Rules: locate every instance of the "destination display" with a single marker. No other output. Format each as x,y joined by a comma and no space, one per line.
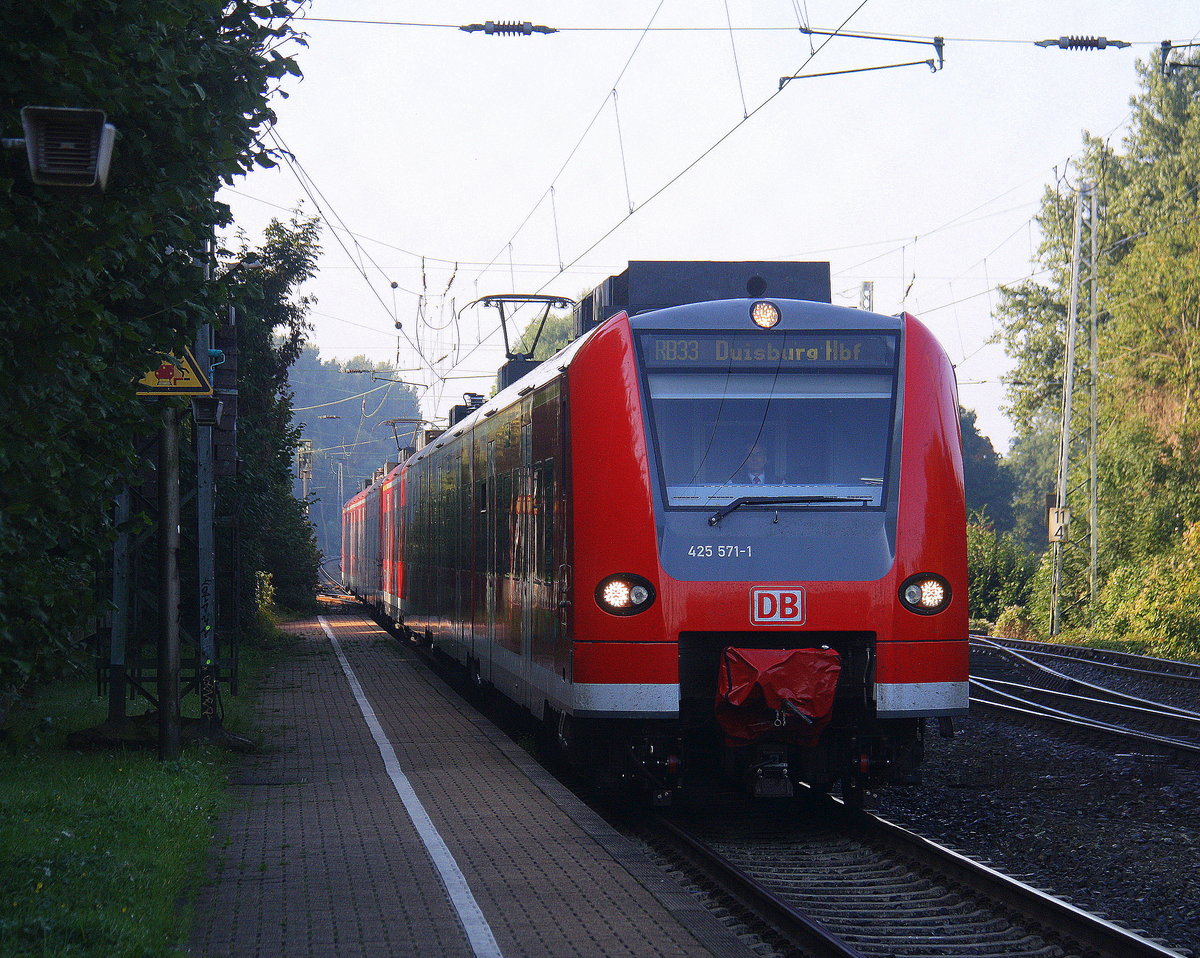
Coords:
789,350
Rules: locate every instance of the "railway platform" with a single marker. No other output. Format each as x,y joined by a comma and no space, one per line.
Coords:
387,817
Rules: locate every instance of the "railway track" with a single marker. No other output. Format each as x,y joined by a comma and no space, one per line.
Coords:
815,879
1186,674
1010,681
835,882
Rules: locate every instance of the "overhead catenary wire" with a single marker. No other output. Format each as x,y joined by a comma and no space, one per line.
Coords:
1034,273
1046,270
1028,225
354,235
328,213
343,399
736,66
680,174
621,146
561,265
578,143
954,222
770,28
313,193
802,22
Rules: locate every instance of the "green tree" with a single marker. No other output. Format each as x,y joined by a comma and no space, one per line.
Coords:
357,421
988,479
1149,335
276,536
1157,601
94,285
1033,465
550,338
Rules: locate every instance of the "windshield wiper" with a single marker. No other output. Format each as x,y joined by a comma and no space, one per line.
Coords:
780,501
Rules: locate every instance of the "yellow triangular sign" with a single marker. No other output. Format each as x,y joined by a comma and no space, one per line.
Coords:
175,376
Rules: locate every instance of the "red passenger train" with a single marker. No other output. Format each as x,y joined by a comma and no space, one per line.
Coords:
724,527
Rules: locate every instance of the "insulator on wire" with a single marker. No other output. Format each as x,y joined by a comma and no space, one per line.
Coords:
1082,43
507,28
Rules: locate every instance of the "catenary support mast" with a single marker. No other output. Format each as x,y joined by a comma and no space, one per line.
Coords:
1074,530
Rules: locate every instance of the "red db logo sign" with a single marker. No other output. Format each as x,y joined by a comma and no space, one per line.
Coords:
777,606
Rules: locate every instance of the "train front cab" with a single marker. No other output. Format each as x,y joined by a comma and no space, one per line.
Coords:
858,416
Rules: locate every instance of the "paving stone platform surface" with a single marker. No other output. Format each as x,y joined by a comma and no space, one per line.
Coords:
319,855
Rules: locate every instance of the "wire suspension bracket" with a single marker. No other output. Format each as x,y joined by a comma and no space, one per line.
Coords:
935,63
1169,67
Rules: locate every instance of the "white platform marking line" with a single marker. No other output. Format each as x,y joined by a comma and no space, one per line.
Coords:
478,931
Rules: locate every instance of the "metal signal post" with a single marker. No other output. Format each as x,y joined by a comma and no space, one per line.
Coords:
1077,440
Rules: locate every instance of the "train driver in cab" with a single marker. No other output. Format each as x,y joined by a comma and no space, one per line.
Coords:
754,471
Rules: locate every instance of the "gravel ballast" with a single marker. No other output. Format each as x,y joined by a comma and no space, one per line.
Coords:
1117,835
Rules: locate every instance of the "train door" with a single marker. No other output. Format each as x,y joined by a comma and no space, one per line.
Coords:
525,555
462,568
484,643
549,583
560,571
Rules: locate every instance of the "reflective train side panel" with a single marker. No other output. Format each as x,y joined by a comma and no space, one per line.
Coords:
590,541
353,517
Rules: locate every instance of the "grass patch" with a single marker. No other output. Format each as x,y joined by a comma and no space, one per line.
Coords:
96,849
99,851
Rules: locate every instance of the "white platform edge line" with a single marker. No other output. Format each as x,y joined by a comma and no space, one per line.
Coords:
476,926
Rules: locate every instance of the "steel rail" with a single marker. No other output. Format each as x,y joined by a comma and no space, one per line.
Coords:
1018,689
1176,748
802,930
1170,676
1147,665
1069,926
1099,691
1053,914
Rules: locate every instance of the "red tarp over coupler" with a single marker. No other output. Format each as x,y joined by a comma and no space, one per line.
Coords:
776,695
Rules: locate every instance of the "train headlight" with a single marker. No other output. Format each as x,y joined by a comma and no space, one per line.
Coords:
925,594
765,315
624,594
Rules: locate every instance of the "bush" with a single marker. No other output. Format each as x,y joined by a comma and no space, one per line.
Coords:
1157,598
1012,623
264,592
999,570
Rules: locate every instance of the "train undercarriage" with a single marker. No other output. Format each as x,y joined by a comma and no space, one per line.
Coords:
658,759
655,759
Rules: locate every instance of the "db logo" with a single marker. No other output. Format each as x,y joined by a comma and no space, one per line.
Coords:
777,606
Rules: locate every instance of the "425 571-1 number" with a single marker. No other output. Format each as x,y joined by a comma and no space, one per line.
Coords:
720,552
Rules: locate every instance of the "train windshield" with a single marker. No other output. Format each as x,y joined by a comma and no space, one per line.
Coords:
806,417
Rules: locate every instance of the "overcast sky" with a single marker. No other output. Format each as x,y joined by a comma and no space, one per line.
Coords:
455,165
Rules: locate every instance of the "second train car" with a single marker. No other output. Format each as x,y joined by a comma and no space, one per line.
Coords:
724,527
